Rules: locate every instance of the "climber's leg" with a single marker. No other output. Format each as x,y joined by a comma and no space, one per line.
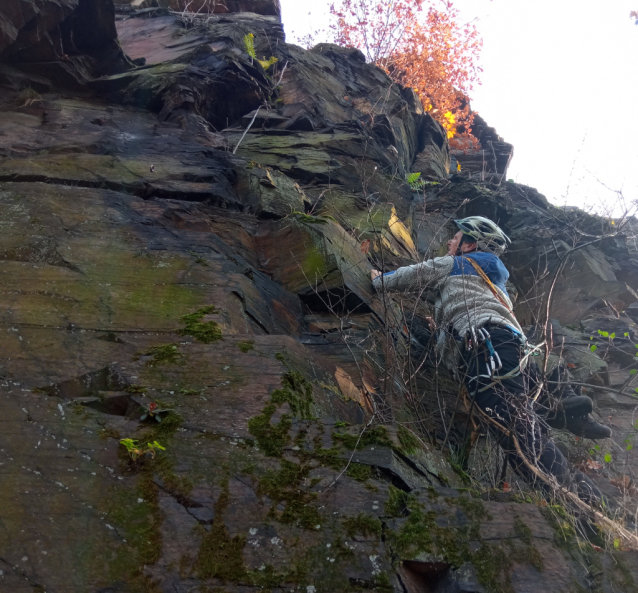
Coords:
541,453
508,406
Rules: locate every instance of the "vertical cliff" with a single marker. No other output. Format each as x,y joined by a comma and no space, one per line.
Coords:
185,247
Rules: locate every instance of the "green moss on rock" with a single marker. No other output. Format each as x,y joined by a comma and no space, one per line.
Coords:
562,524
220,555
206,332
377,435
359,472
409,443
362,524
397,503
271,438
286,487
136,515
137,389
295,391
161,355
329,457
422,534
246,346
524,533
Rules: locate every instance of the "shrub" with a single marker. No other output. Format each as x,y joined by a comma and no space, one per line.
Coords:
421,44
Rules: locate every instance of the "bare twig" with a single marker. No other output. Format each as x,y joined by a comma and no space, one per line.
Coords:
250,125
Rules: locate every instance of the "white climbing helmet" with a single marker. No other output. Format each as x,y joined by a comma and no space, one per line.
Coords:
488,235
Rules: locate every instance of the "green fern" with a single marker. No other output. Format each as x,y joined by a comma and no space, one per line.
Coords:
415,182
249,44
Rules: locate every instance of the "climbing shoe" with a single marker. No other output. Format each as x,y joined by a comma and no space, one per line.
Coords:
582,426
559,400
576,405
569,398
588,428
571,407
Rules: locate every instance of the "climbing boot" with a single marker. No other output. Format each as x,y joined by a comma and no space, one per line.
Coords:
587,427
572,407
576,405
559,387
561,400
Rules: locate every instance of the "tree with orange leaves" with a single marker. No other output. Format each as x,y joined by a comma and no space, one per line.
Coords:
420,44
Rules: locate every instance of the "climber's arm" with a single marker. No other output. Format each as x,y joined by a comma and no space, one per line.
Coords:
418,275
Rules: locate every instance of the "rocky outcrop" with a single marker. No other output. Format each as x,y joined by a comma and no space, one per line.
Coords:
187,236
490,160
69,41
25,25
265,7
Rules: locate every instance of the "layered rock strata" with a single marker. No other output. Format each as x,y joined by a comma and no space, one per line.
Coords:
187,237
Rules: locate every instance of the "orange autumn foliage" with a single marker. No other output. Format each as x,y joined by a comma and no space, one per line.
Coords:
420,44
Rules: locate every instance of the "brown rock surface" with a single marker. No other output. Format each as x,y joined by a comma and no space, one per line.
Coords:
148,271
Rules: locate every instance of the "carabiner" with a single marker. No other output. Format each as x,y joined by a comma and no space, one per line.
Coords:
498,358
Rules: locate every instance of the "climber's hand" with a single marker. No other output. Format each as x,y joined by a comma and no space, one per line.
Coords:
431,323
375,274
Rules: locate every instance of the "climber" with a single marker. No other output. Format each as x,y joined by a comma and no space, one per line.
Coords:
481,341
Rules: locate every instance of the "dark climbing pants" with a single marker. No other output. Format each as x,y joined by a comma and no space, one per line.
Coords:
508,403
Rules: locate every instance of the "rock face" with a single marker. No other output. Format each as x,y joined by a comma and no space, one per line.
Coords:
187,237
75,37
265,7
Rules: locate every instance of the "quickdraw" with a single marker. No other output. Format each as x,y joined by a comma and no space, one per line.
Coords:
478,337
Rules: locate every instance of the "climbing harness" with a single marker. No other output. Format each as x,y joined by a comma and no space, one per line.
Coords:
515,372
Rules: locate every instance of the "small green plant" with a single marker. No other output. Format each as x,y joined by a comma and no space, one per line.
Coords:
153,412
249,46
135,451
415,182
266,64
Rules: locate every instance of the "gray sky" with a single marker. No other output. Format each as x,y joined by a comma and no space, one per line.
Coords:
559,83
